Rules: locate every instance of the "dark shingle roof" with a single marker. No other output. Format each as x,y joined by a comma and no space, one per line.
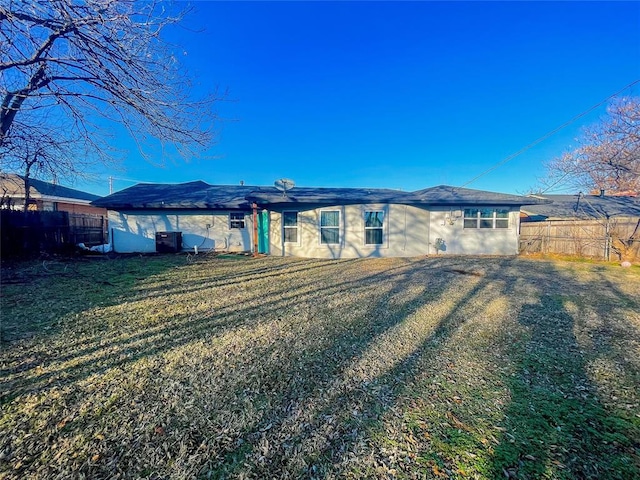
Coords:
15,186
584,206
199,194
447,195
182,195
330,196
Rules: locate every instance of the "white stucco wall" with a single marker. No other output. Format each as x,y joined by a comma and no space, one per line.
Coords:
472,241
409,231
135,231
405,233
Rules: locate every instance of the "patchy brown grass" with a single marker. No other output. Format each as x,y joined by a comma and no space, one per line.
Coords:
447,367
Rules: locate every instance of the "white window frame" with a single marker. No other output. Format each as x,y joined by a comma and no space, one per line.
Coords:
382,228
497,223
234,220
339,226
285,228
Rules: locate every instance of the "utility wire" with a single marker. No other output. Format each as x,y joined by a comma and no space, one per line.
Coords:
549,134
558,181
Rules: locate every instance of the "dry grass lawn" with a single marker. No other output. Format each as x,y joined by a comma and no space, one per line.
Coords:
441,367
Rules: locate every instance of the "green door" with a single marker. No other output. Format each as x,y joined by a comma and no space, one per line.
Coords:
263,232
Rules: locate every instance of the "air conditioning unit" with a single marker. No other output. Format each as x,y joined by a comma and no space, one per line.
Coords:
168,242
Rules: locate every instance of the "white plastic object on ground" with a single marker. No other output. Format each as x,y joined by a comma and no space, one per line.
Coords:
106,248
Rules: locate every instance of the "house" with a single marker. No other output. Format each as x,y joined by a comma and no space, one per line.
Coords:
599,226
45,196
582,207
316,222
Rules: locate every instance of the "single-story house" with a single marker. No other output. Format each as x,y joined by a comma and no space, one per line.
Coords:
45,196
316,222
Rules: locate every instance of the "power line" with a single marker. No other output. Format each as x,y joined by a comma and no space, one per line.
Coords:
549,134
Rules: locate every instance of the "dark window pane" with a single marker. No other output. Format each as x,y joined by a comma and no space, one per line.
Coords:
236,220
486,213
470,212
291,235
373,219
470,223
329,235
290,219
502,223
502,213
330,219
486,223
373,236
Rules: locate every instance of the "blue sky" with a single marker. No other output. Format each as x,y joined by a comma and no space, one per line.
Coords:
396,94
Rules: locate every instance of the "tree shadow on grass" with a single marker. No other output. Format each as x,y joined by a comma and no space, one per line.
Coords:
103,351
287,403
122,281
54,285
556,425
336,410
314,364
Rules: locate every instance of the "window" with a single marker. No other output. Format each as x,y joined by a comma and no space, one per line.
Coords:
502,218
290,227
486,218
236,220
373,226
330,227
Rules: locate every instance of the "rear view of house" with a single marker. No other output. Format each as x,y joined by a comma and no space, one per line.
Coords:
316,222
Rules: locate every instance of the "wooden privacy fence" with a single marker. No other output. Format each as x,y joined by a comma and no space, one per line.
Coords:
607,239
29,233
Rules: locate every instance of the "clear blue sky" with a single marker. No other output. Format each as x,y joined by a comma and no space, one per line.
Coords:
397,94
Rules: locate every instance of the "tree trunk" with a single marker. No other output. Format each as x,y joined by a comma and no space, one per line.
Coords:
27,186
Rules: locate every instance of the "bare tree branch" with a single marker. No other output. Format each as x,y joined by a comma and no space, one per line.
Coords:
95,59
608,155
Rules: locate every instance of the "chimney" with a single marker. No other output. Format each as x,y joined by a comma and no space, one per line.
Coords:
602,193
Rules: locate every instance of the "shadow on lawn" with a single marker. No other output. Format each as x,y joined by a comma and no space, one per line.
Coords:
394,382
556,425
315,366
310,381
105,350
339,412
51,283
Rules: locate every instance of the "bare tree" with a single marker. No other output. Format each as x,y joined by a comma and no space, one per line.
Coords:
608,155
90,61
49,155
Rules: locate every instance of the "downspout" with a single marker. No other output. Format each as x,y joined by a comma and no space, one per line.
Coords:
255,229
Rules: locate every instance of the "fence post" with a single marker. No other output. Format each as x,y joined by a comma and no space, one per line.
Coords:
545,245
607,242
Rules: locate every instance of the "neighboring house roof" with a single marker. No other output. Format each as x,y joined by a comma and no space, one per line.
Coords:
196,195
584,206
13,185
447,195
